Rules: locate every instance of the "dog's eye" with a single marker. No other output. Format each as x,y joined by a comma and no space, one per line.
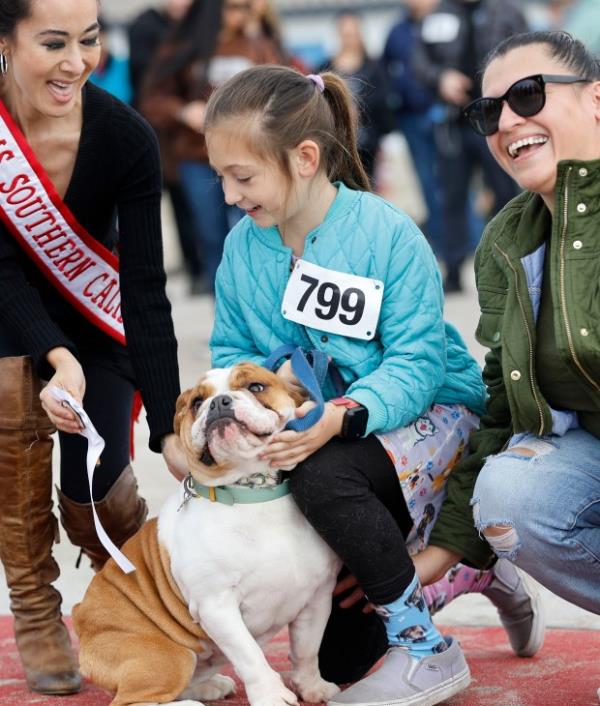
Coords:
196,403
256,387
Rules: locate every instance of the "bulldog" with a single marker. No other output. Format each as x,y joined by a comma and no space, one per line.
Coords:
228,562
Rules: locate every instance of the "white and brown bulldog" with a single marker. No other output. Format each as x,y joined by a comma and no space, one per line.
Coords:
220,571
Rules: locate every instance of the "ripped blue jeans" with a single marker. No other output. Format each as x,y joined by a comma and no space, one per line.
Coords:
550,505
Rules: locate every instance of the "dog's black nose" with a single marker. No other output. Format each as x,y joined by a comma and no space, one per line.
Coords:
220,406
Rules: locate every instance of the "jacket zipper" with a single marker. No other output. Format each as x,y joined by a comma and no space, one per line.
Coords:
563,299
529,338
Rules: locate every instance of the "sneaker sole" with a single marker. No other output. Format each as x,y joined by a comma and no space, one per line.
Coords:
433,696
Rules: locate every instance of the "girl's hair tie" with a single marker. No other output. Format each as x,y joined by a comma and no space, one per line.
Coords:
317,80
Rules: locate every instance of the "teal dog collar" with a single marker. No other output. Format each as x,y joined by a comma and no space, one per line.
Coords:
234,494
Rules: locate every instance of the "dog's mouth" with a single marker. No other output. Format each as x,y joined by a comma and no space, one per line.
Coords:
218,427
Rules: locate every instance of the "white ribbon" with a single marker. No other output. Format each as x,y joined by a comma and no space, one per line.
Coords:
95,448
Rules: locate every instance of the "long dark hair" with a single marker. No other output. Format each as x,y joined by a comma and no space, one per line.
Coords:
289,108
11,13
562,46
194,38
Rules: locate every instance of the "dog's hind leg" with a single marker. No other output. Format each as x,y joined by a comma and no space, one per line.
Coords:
211,688
143,669
306,633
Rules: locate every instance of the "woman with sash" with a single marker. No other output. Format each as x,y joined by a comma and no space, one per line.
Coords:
79,184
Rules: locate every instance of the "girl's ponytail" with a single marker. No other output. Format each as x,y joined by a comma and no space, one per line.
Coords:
346,165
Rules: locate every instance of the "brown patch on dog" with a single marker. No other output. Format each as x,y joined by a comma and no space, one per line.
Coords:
276,389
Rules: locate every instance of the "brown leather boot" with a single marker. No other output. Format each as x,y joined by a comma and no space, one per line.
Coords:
122,512
27,531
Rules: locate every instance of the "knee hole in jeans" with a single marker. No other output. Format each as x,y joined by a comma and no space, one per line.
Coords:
501,538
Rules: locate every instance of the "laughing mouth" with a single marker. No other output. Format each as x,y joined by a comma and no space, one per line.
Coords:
515,147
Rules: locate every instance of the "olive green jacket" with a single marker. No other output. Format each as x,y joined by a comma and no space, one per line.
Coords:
508,290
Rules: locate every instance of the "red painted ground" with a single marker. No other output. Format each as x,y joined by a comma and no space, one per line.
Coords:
566,672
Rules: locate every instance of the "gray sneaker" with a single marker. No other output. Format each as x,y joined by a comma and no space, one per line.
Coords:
403,680
519,606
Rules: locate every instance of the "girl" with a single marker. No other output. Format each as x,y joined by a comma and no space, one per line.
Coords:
319,262
73,159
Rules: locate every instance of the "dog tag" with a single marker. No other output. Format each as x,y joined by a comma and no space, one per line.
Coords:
337,302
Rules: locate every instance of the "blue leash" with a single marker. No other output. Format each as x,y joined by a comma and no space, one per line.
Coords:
311,377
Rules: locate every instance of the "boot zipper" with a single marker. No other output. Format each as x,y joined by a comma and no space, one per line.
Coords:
563,299
529,338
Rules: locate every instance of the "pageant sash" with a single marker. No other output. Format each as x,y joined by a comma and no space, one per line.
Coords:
78,266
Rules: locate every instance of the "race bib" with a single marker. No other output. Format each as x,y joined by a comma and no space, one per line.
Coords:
337,302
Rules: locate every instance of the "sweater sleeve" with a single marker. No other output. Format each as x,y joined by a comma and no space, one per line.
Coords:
145,307
22,311
412,335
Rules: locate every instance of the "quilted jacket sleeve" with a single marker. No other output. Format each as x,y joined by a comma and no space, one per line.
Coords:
412,333
231,341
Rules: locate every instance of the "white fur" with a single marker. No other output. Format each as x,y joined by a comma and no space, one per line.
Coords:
247,571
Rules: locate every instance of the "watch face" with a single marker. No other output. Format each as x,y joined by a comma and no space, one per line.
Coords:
355,422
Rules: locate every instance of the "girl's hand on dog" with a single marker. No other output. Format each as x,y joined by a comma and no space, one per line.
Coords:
289,448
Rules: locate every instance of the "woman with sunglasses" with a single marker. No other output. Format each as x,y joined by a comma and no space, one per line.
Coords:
536,498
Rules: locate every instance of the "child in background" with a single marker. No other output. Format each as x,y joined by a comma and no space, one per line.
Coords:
321,263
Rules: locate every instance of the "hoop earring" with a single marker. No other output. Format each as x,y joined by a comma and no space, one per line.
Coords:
3,64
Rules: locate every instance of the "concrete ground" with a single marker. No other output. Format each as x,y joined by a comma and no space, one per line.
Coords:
193,322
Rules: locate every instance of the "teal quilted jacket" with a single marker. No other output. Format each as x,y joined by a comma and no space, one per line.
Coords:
415,358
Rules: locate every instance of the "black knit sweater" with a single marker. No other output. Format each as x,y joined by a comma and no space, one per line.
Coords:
115,194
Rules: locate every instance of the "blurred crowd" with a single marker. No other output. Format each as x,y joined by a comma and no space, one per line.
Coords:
178,51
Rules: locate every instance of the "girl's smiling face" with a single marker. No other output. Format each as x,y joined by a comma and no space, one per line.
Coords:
51,54
257,185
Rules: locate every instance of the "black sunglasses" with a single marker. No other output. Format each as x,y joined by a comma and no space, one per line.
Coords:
525,97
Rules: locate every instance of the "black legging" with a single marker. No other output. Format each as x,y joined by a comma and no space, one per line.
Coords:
350,493
108,401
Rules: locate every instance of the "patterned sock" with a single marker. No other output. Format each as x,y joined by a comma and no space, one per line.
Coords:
458,580
408,623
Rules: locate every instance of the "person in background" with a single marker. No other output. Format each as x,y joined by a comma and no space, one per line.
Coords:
72,314
367,80
415,110
453,41
208,46
146,33
112,72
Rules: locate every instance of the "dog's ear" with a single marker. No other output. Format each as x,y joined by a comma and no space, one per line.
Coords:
181,408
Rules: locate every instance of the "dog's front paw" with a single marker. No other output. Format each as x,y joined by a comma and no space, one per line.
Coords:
276,694
316,690
213,689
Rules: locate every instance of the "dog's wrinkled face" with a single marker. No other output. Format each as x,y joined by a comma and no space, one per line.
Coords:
228,418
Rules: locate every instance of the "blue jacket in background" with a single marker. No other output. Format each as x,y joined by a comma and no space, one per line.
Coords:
410,94
414,360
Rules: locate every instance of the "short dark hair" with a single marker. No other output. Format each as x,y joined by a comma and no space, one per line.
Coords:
570,52
11,13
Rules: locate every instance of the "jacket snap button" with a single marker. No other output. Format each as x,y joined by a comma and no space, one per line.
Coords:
583,172
584,332
324,339
581,207
496,336
578,245
515,375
